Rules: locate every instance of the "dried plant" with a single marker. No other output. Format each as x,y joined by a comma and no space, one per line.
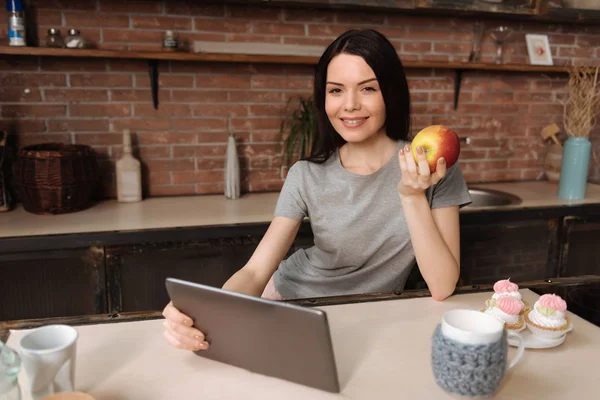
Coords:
298,132
582,103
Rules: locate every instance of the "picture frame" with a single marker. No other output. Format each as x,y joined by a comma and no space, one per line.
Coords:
538,49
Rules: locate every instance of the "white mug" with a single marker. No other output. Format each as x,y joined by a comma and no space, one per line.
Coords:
48,358
474,327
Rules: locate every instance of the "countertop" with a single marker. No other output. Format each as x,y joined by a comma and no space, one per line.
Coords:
216,210
382,350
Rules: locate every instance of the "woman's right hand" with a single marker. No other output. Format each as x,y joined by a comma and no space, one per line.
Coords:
179,331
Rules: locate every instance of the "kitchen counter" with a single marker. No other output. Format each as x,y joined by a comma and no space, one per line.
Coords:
216,210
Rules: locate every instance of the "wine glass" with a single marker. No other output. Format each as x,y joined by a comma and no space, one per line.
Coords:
500,35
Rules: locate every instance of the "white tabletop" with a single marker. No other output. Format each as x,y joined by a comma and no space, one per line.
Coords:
382,348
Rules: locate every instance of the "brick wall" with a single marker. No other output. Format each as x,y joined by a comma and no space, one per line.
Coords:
182,145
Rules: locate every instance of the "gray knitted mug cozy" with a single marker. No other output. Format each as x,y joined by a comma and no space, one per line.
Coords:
468,370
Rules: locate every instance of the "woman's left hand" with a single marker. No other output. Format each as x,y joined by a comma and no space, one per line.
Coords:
416,176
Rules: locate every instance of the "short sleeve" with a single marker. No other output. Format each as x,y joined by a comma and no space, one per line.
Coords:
291,202
452,190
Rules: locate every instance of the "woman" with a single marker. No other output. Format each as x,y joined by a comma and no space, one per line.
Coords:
373,210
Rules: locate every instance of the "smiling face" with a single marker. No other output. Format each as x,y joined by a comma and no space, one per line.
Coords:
353,100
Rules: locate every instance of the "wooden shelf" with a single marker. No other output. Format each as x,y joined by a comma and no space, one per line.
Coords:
254,58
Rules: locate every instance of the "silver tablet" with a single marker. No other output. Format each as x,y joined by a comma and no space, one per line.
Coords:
269,337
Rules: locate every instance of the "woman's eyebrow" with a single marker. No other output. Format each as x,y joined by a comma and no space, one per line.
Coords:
359,83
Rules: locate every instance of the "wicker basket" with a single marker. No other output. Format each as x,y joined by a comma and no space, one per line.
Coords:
54,178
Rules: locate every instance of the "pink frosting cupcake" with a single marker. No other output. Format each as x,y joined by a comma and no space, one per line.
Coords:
506,288
548,318
507,309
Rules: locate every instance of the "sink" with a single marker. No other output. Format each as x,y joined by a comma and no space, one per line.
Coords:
491,198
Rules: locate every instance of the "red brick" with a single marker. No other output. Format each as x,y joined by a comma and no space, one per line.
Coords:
93,139
501,175
549,109
101,80
164,110
197,177
78,125
169,190
307,41
132,95
258,137
523,164
253,12
125,65
166,138
166,81
270,28
268,186
199,124
452,48
221,110
23,125
284,82
154,22
14,94
28,80
159,178
112,46
267,110
206,163
75,95
27,139
429,84
506,84
220,25
198,96
255,123
75,64
192,7
96,19
99,110
426,34
436,57
49,17
211,188
18,63
170,165
191,37
33,110
150,152
229,82
131,36
297,15
245,38
265,150
530,97
131,6
416,47
264,175
143,124
66,4
587,52
212,137
331,31
199,151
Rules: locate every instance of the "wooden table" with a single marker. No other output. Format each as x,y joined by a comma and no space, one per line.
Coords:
382,348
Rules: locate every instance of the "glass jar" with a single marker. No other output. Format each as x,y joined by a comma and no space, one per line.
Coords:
10,365
74,39
170,41
54,38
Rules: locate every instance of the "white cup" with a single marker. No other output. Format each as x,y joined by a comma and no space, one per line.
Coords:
474,327
48,358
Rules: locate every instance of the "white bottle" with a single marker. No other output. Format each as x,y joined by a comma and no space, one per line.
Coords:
129,174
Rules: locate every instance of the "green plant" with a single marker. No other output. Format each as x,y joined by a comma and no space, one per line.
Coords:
298,132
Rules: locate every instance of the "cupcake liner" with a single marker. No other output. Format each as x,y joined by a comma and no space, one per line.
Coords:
548,332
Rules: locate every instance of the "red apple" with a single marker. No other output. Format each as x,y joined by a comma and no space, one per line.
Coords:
437,141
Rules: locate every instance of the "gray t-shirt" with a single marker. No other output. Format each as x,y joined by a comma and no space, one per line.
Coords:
361,239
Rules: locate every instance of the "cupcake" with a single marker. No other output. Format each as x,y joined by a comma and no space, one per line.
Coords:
507,309
548,318
506,288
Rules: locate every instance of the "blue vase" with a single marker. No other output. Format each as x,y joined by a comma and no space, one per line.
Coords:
574,169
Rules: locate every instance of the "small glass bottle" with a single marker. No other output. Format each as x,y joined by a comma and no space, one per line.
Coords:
10,365
170,41
54,38
74,39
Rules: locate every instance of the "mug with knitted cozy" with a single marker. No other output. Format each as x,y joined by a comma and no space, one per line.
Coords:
469,353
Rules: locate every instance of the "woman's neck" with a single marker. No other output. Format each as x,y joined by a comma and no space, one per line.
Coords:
367,157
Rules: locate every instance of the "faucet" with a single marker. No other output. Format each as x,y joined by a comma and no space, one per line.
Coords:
467,140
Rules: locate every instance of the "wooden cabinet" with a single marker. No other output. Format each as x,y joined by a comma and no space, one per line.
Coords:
580,253
517,249
52,283
136,274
